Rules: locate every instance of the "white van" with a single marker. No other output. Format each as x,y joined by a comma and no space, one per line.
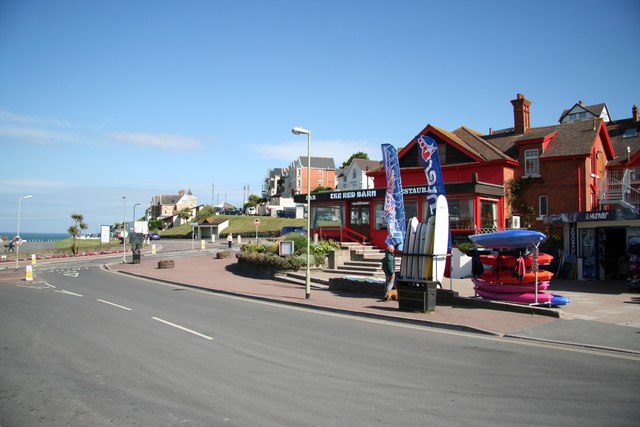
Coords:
251,210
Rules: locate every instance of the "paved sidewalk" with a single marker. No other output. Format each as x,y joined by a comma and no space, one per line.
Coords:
601,314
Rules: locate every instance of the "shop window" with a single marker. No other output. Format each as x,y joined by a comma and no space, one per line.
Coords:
410,209
328,216
461,214
488,214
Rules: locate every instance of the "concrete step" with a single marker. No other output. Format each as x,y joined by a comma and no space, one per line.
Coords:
350,272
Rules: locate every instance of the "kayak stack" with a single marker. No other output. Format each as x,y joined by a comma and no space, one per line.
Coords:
510,272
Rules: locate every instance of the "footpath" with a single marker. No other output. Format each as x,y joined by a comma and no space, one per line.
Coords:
601,314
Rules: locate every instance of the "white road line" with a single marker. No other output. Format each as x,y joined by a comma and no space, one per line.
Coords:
115,305
68,293
183,328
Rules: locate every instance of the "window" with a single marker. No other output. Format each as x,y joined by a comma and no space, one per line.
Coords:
379,216
630,133
461,213
488,214
531,163
543,206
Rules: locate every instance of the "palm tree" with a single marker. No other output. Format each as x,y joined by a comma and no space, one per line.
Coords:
75,230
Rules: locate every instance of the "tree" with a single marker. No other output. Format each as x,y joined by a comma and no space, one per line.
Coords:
253,201
205,212
75,230
358,155
155,224
321,188
185,213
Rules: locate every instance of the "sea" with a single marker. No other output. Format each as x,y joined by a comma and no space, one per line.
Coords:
36,237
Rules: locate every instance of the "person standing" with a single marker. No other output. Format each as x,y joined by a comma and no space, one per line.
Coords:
389,268
230,240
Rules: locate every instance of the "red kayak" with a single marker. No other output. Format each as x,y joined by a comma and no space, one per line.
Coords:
509,261
506,277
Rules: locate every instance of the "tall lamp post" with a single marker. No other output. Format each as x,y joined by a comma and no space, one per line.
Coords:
18,230
302,131
124,222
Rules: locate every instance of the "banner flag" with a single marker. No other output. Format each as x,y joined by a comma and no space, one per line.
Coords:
431,163
393,201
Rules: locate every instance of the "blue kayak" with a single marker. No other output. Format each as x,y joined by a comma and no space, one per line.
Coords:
508,239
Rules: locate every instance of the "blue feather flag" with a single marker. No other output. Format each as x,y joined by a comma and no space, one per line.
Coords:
393,201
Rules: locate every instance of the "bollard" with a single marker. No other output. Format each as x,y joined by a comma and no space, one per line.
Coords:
33,259
153,248
203,244
239,239
29,276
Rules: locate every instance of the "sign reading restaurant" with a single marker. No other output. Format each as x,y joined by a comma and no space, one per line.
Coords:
357,194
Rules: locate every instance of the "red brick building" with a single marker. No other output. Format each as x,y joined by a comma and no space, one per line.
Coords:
516,177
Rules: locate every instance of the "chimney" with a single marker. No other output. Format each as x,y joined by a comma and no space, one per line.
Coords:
521,120
635,115
181,193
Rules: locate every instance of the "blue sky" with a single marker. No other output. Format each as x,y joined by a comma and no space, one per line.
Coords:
105,99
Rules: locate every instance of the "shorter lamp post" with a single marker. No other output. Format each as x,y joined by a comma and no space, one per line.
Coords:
124,229
18,231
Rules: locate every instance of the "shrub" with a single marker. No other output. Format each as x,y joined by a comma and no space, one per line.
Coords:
253,247
271,262
324,247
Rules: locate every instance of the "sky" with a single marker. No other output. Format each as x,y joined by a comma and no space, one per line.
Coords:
101,100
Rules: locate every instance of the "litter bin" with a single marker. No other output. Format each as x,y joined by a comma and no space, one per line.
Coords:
137,246
417,296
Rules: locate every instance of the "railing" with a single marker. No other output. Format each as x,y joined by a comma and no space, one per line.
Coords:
616,188
341,233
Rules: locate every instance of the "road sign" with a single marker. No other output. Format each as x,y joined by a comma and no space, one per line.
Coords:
256,222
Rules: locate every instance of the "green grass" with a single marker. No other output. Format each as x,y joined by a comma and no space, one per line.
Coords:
86,244
244,225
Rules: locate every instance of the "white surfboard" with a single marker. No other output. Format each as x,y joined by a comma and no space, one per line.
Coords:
428,249
441,238
422,235
415,259
405,267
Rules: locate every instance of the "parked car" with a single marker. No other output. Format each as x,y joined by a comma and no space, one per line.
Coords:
154,236
251,210
232,212
293,229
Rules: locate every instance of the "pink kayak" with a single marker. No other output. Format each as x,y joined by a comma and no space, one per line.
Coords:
525,297
509,288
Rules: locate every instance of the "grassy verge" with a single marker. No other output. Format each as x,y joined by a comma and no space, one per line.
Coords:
244,225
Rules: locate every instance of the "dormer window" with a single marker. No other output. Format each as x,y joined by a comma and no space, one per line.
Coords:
532,162
630,133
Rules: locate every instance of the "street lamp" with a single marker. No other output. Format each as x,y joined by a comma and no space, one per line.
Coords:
18,230
302,131
124,222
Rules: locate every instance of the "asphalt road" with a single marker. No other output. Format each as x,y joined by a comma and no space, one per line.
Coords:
96,348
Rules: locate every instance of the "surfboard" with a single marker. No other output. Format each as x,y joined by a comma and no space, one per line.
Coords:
415,260
427,261
405,268
422,250
440,239
508,239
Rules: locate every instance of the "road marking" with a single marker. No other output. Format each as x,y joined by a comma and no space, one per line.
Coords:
71,274
68,293
183,328
115,305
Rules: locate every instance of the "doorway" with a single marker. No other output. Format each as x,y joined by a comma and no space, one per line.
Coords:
611,247
360,218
